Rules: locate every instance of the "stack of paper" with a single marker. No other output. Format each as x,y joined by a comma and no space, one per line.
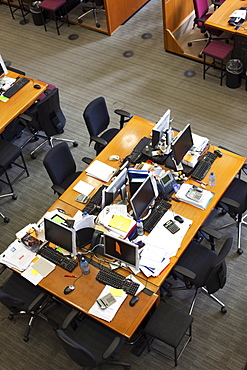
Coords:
100,171
83,188
202,203
39,268
17,256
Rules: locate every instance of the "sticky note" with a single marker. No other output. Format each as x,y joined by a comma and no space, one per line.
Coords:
116,292
34,272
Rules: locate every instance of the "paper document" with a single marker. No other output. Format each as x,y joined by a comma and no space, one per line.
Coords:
202,203
108,313
17,256
39,268
100,171
83,188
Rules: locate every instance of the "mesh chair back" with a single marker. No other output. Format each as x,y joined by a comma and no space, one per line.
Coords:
96,116
59,163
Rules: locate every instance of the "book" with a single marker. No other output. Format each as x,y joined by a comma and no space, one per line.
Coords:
120,222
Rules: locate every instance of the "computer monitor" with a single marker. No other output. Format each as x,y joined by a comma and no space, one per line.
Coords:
118,186
3,69
181,144
121,250
144,196
58,233
160,128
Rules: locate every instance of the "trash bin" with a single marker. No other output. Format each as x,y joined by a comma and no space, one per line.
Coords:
36,13
234,70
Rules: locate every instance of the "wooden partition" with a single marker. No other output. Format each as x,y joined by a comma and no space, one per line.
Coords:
175,14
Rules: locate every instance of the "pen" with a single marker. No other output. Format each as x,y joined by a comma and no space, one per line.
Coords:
201,182
70,276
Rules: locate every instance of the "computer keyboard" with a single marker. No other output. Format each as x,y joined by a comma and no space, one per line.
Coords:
160,208
204,166
51,255
112,278
136,153
93,207
16,87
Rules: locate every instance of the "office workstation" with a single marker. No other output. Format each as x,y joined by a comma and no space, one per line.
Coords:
205,314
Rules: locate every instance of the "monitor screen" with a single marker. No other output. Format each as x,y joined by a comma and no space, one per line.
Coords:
144,196
118,186
182,144
159,129
57,233
122,250
3,69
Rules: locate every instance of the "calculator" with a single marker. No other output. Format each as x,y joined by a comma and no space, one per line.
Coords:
171,226
106,301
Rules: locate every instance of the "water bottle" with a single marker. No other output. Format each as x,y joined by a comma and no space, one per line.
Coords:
140,230
212,179
85,269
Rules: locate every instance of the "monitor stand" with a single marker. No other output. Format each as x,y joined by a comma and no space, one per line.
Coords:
170,163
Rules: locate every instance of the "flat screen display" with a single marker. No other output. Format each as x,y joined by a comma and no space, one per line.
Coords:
59,234
121,250
159,129
3,69
182,143
117,187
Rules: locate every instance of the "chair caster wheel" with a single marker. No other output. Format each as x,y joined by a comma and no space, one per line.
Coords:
97,25
169,294
189,44
75,144
14,196
79,21
199,55
223,310
240,251
25,339
10,317
6,220
33,156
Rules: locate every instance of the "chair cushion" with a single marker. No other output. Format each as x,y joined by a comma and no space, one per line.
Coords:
168,324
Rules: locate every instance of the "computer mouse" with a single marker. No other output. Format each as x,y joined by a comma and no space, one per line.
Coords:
179,219
133,300
68,289
37,86
114,157
218,153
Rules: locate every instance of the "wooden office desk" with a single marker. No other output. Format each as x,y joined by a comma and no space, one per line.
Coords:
19,102
219,19
225,169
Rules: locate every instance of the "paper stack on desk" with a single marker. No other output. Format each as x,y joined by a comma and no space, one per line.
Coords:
206,196
17,256
161,245
100,171
39,268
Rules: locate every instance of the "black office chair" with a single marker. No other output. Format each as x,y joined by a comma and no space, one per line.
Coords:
14,196
234,202
61,167
201,15
23,298
9,155
90,343
94,6
45,116
97,120
13,131
169,325
204,269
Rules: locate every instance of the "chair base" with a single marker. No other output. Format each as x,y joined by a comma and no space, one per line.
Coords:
93,9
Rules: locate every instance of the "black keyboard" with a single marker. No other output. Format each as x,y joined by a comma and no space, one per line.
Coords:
51,255
112,278
203,166
16,87
94,205
160,208
136,153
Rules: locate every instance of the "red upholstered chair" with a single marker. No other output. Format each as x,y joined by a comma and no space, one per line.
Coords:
201,15
52,7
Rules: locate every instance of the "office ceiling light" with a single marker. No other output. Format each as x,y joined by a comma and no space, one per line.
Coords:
189,73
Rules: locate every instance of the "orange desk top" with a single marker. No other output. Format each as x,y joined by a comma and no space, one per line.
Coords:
19,102
219,19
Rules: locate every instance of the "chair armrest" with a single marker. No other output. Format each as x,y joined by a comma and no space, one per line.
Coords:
58,189
229,202
244,168
69,318
211,232
184,271
36,302
87,160
25,117
217,3
203,20
112,347
2,268
124,116
98,140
